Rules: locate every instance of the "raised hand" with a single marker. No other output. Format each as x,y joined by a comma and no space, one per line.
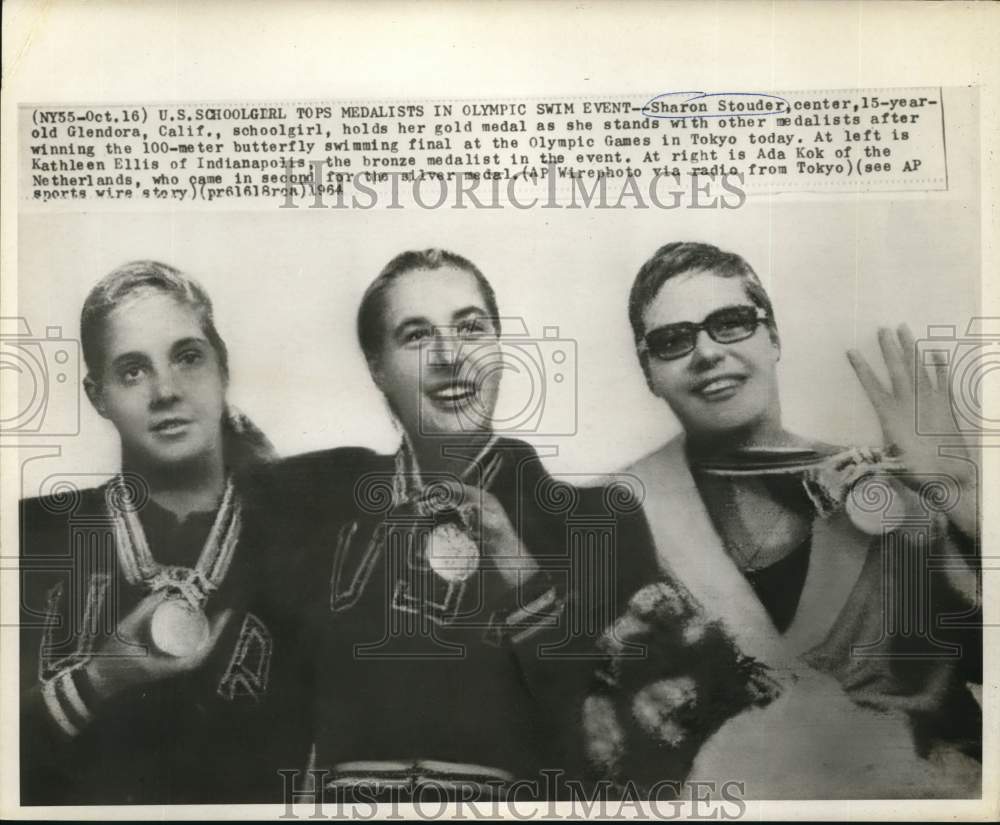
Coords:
912,390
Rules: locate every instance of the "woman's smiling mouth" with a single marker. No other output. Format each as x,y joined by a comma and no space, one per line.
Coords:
720,387
453,393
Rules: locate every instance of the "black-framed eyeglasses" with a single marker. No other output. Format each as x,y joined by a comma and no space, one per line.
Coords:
724,326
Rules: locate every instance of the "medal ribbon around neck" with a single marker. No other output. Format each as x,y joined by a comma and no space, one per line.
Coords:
827,479
139,566
408,483
451,552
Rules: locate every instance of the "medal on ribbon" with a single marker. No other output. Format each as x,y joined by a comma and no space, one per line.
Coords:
449,548
857,480
178,626
451,552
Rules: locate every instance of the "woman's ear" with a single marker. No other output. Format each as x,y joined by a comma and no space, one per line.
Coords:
775,340
644,363
96,396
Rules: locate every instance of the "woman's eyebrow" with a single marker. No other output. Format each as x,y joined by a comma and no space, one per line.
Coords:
130,357
186,342
469,310
420,320
410,322
709,315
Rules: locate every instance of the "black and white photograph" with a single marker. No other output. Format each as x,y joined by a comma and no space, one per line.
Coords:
554,442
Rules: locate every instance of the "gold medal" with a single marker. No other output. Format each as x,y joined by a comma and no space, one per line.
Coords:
451,552
177,628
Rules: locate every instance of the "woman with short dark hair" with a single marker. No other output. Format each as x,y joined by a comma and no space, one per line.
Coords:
806,551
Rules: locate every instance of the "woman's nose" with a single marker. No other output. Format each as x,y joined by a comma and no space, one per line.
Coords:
706,350
164,386
443,350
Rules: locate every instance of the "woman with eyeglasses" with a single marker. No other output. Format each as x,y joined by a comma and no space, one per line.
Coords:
781,538
148,674
457,599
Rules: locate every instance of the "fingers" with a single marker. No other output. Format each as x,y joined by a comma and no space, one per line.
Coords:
478,510
918,371
939,359
218,626
900,373
906,377
877,394
449,494
441,494
136,621
471,518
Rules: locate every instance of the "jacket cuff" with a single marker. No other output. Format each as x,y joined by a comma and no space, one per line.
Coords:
531,607
70,699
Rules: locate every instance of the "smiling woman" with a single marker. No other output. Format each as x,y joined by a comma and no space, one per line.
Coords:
429,328
140,651
813,556
461,596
